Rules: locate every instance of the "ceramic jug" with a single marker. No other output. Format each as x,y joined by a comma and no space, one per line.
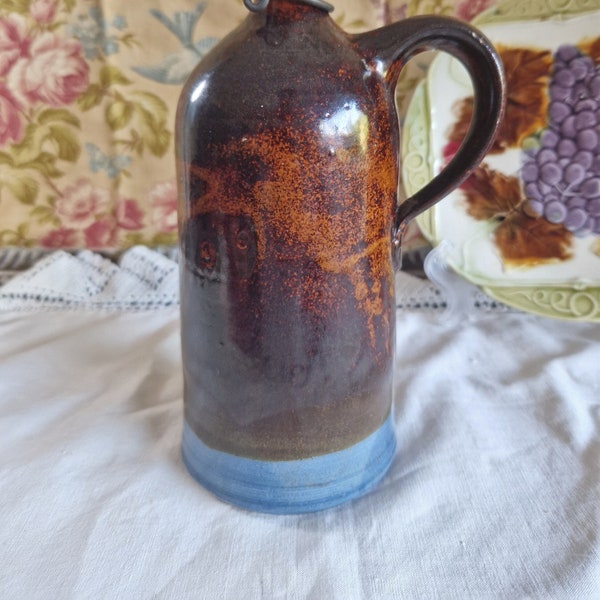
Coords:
287,157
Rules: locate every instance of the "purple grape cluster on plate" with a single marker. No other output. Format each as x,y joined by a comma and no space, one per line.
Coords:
562,175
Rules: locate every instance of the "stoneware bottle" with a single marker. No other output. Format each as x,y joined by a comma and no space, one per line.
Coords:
287,157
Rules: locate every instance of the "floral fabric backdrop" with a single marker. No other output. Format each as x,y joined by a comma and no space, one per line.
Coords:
88,93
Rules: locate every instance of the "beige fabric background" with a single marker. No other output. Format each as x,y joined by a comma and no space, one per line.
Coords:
88,93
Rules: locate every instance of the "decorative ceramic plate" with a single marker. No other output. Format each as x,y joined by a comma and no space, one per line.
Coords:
526,225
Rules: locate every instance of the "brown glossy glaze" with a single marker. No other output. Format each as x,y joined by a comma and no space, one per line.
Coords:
287,163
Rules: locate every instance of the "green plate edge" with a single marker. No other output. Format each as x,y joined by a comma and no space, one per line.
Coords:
559,301
510,11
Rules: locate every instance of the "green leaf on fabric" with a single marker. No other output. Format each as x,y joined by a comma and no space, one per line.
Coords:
23,188
19,237
152,104
17,6
135,239
118,114
44,163
129,40
54,126
52,115
27,144
66,141
111,75
91,97
164,239
6,159
44,215
152,132
158,239
157,140
20,185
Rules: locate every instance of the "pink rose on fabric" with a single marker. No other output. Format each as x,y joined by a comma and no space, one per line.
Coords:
163,202
43,11
11,127
60,238
80,203
129,215
101,234
469,9
14,41
55,72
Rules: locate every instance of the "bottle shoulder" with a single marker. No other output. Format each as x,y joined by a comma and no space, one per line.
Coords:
264,76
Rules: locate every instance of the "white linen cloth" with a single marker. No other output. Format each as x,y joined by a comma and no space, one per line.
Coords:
494,493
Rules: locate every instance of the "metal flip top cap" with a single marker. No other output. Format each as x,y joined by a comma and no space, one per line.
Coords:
258,5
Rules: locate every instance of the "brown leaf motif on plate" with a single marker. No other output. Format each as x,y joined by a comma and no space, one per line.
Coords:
527,76
538,210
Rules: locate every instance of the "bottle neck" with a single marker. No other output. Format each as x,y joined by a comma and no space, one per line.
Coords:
262,5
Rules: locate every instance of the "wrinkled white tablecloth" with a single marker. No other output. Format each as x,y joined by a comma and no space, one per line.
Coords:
494,493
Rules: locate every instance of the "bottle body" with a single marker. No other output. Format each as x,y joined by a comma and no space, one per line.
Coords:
287,172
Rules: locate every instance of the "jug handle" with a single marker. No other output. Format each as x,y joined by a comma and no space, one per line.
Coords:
389,48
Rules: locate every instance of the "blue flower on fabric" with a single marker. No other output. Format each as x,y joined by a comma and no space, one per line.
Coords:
113,166
119,23
92,31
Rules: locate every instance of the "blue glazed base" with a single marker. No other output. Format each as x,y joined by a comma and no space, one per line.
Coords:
291,486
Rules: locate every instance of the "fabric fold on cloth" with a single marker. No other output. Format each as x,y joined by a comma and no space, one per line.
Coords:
143,279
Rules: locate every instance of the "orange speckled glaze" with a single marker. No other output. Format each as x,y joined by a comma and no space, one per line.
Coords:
287,161
301,313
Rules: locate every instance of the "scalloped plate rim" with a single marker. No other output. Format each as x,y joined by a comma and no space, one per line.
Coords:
500,291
